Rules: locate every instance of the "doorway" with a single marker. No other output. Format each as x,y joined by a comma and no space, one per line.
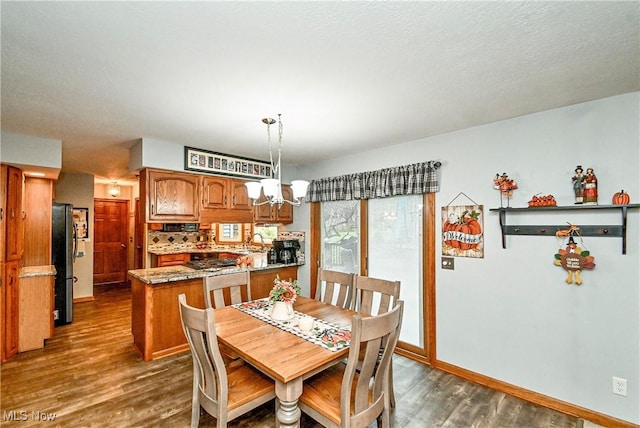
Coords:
110,236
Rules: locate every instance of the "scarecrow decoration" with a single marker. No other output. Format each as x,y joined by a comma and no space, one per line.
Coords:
505,185
573,258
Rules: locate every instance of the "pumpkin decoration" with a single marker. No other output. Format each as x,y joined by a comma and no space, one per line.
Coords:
463,232
620,198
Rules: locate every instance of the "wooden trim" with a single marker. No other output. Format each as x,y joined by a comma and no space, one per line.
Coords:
534,397
429,274
84,299
364,241
315,245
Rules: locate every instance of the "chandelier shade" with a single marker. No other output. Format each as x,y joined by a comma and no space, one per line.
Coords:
272,187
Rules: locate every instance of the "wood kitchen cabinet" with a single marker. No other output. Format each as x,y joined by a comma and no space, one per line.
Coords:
262,279
36,311
271,214
225,200
164,260
11,304
170,196
38,202
13,214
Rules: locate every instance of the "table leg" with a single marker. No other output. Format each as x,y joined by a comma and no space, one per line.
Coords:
288,414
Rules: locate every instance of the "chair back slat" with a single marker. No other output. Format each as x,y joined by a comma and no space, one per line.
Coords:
335,288
220,290
370,290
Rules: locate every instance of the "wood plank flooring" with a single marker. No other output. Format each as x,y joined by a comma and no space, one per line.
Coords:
88,375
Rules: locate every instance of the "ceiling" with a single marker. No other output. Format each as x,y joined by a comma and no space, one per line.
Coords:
346,76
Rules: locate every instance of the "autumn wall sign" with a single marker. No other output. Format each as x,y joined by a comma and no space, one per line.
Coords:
462,232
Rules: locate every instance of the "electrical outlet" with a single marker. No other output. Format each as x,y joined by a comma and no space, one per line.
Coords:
447,263
620,386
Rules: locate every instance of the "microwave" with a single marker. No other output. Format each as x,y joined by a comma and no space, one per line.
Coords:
180,227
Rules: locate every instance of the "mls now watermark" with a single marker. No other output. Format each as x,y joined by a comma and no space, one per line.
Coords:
23,416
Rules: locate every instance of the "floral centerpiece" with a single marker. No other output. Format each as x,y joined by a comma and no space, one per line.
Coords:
284,291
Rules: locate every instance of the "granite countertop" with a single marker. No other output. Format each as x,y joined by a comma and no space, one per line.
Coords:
162,275
33,271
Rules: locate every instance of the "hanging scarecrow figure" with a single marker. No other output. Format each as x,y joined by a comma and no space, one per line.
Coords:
574,259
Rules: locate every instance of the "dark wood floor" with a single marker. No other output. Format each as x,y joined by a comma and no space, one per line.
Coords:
88,375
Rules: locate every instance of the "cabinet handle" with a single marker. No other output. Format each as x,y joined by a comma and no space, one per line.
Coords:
152,209
234,200
225,200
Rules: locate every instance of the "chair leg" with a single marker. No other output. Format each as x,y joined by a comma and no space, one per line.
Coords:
392,395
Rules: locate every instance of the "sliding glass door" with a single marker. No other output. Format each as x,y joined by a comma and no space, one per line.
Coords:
394,252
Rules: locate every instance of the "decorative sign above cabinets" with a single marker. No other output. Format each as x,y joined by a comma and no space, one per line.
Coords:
224,164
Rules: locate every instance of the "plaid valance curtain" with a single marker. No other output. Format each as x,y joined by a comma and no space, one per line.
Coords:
402,180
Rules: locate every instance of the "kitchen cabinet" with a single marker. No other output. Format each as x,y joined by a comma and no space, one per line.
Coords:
164,260
225,200
170,196
13,210
11,302
38,200
271,214
36,311
262,279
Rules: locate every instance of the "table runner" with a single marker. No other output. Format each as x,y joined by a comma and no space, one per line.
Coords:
331,336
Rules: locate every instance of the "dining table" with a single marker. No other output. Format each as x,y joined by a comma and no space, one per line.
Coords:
281,351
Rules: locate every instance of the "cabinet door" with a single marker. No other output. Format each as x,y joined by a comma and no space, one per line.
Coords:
173,196
263,213
13,250
11,320
38,199
239,196
285,213
215,193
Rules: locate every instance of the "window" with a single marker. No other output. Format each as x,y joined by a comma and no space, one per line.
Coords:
341,236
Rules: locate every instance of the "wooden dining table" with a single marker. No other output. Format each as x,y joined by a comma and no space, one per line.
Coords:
283,356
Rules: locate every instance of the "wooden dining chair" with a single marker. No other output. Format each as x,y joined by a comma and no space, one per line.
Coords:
223,392
330,282
355,394
375,296
231,285
368,292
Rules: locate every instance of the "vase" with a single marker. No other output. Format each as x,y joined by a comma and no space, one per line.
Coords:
282,311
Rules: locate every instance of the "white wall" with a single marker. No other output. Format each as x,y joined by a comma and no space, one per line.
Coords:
510,315
77,189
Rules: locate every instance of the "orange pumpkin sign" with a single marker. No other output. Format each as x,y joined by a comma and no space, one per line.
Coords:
462,232
620,198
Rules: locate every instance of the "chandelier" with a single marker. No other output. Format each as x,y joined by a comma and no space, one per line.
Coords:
272,187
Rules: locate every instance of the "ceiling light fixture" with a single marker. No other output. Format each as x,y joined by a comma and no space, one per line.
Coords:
272,187
114,189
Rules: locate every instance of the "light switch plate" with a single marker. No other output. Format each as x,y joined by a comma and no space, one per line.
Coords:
447,263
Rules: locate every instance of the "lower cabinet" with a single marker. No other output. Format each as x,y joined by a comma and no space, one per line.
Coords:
35,312
11,301
262,280
155,315
169,259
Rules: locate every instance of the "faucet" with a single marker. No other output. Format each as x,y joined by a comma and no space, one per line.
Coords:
261,240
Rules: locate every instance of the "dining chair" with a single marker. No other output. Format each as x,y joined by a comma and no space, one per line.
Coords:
231,284
216,287
225,392
355,394
368,292
330,282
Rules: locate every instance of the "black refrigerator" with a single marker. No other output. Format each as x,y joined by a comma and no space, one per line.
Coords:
63,247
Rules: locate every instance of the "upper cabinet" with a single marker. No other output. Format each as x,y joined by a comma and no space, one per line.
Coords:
225,200
13,213
271,214
170,196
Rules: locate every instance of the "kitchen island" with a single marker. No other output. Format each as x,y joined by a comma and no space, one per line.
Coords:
155,318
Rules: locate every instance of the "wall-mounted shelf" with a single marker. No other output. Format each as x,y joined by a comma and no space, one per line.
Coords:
616,231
